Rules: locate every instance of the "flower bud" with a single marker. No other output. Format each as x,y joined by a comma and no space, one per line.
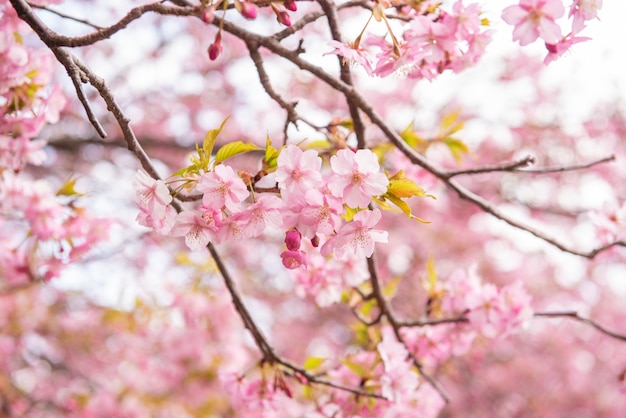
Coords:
208,15
283,18
216,48
292,240
290,5
248,10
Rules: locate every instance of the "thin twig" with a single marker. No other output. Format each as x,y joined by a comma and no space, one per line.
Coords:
574,315
514,166
565,168
398,142
457,320
66,16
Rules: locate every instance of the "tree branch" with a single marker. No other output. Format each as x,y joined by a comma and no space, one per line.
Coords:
575,316
385,309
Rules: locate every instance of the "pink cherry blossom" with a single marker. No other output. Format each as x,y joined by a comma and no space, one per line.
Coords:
359,236
357,177
265,212
533,19
582,11
555,51
352,55
398,381
198,228
222,188
298,170
293,259
320,214
151,195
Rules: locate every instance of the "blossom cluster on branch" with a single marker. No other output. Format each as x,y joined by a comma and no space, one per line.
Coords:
357,269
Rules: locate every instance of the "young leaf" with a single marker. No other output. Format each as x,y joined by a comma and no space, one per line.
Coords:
68,188
451,124
410,137
312,363
209,139
355,368
234,148
456,147
271,154
401,186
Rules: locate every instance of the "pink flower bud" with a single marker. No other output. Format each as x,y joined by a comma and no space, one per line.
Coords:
292,239
208,15
283,18
216,48
293,259
248,10
290,5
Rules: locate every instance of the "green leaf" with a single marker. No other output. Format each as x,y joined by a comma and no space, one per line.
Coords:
400,205
391,288
350,212
432,273
451,123
313,363
367,307
456,147
347,123
355,368
68,188
209,139
401,186
234,148
410,137
319,144
271,154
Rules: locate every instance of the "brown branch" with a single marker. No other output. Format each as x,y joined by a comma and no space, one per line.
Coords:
345,73
69,61
259,338
561,169
350,92
574,315
385,309
51,38
457,320
66,16
514,166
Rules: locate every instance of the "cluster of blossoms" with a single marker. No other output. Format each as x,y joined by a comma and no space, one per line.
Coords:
534,19
432,41
40,232
329,208
435,40
490,311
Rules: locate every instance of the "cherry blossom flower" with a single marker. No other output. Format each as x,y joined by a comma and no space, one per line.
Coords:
359,236
352,55
298,170
222,188
535,19
555,51
263,213
320,214
293,259
198,228
357,177
583,10
151,195
398,382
